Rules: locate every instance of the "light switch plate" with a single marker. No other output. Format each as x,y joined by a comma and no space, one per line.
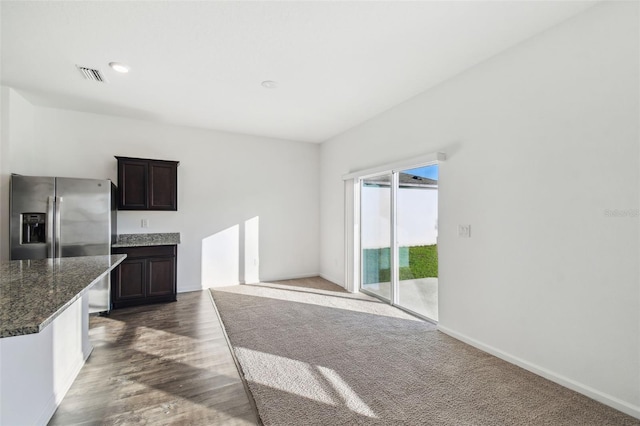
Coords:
464,231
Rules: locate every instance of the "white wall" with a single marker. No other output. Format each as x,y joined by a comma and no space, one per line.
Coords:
224,180
542,144
17,131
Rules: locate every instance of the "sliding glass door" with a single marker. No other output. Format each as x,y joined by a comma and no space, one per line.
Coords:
417,240
375,235
398,239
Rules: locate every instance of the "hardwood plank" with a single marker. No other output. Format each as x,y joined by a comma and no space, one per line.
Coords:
158,364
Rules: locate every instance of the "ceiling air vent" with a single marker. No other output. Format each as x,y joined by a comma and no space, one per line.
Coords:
91,74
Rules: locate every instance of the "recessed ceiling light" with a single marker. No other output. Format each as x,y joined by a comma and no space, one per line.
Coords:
117,66
269,84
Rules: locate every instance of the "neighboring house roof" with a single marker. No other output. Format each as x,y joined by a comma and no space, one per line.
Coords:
407,180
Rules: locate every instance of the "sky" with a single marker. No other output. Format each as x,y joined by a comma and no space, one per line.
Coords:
430,172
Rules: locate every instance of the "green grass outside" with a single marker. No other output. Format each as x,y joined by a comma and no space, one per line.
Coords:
422,263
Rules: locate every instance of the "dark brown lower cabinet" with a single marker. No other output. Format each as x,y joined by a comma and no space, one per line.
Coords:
147,275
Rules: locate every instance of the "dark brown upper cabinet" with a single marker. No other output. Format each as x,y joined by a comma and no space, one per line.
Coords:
145,184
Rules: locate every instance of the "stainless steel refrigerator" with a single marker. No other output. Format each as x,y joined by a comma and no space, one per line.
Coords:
64,217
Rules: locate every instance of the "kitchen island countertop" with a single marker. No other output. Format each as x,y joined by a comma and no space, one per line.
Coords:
34,292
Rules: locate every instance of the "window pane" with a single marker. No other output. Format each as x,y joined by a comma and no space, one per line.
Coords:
417,236
375,227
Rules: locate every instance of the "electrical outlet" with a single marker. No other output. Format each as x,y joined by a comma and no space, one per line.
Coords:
464,231
144,223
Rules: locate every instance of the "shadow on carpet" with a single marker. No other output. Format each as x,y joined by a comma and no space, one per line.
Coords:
317,356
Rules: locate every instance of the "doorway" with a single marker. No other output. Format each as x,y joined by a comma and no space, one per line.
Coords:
375,236
399,239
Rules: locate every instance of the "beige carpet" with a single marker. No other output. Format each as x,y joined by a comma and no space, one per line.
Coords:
313,354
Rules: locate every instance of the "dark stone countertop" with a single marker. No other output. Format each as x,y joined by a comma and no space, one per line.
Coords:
34,292
142,240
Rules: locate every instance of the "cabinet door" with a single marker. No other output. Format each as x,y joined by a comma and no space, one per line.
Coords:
132,182
163,181
162,276
130,280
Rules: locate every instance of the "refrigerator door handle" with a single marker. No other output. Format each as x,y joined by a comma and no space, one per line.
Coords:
58,246
50,238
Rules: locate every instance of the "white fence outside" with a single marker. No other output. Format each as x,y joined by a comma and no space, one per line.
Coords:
417,217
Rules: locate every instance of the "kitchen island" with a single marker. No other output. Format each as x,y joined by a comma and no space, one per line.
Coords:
44,325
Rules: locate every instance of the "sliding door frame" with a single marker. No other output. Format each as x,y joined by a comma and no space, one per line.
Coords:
395,275
353,220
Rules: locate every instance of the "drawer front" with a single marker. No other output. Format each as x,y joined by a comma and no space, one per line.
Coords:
150,251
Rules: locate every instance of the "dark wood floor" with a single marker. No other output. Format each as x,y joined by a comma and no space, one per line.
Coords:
158,364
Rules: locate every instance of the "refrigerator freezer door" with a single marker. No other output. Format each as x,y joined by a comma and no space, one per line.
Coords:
84,207
32,206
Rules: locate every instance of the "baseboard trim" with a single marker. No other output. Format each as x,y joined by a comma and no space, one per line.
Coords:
190,289
266,280
602,397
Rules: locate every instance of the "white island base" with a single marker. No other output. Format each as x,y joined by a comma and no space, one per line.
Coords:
37,370
44,332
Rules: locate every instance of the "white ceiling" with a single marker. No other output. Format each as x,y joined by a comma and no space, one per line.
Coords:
201,63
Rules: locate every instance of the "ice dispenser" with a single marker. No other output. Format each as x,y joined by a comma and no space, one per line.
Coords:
33,228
